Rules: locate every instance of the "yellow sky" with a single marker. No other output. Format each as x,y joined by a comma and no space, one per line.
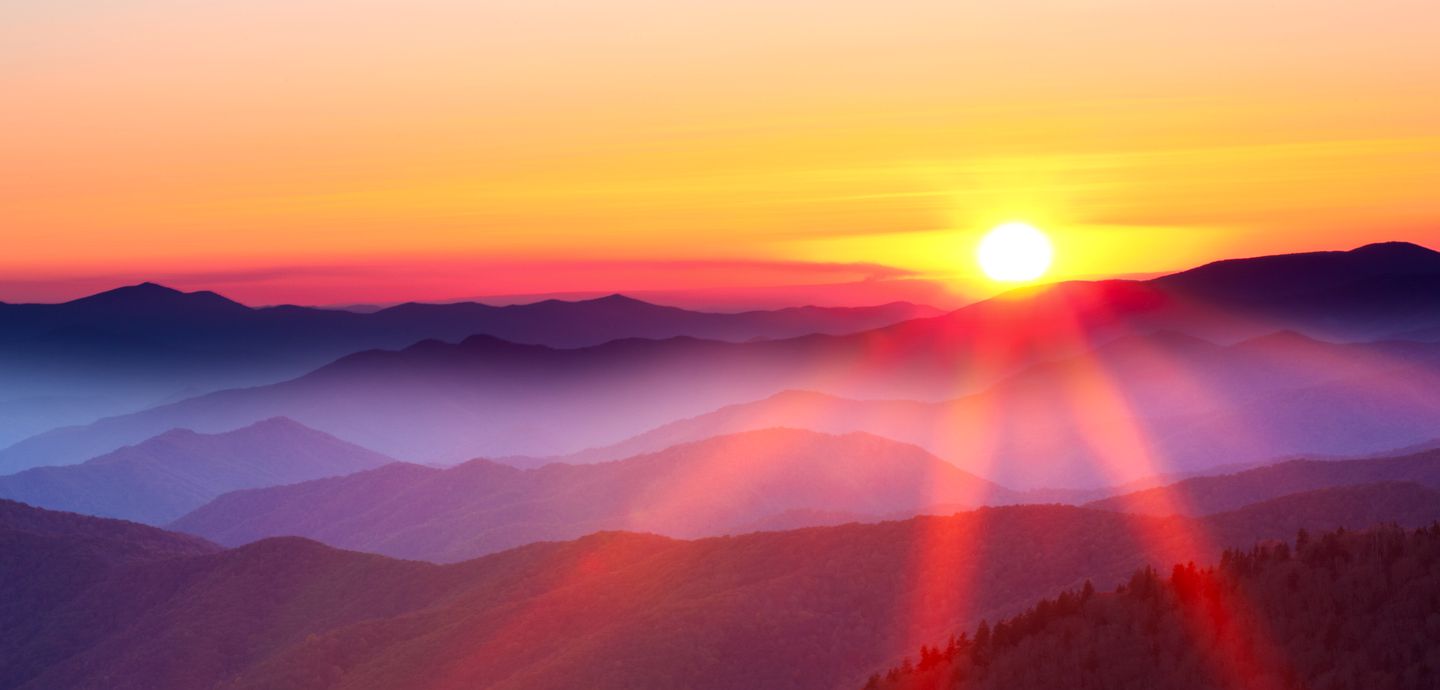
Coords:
178,135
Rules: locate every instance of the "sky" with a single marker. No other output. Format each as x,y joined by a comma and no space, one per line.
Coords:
319,151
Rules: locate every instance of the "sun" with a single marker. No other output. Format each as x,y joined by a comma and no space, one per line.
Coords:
1015,253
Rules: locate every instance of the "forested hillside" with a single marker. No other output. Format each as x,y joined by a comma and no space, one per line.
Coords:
1341,610
108,605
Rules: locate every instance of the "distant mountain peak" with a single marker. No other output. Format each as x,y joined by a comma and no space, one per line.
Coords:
145,290
279,422
261,431
617,300
170,435
1395,247
1305,272
152,295
275,426
1401,257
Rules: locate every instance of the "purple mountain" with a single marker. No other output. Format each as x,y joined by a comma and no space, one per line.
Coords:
164,477
699,489
487,397
820,607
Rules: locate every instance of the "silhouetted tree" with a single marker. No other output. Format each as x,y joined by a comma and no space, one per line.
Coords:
1349,610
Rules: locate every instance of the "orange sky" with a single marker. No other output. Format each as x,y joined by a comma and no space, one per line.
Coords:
327,151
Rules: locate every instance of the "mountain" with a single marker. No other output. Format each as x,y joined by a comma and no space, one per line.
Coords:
23,417
1377,290
162,478
1206,495
51,555
582,323
1180,398
1373,292
1352,506
716,486
811,608
801,518
1138,407
52,558
150,312
103,542
127,348
1340,609
139,344
190,614
442,402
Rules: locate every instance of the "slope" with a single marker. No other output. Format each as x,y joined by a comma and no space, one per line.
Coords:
699,489
169,475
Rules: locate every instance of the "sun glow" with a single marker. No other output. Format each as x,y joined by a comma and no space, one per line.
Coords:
1015,252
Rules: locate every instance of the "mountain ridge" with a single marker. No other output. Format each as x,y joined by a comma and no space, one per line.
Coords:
709,487
812,608
481,406
167,475
1213,494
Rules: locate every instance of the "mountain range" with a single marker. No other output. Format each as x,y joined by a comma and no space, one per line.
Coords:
140,345
811,608
1180,398
1338,609
623,495
446,402
767,480
1214,494
711,487
1176,404
164,477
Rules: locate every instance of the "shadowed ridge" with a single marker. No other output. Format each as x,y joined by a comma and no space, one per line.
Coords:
149,296
137,345
619,299
482,342
290,547
1215,494
1263,277
1354,506
143,290
127,540
817,604
1400,251
1335,608
676,614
